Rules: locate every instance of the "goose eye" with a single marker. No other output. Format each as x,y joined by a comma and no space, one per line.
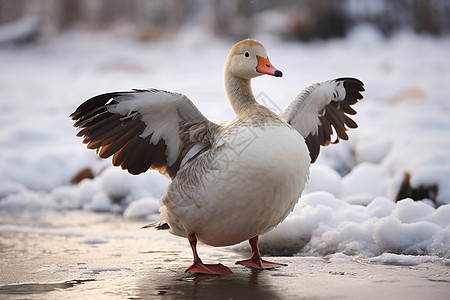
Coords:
247,54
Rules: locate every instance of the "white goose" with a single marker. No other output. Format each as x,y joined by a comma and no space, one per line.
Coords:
231,181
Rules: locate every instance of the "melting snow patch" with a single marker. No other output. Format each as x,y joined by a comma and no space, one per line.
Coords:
324,225
142,208
405,260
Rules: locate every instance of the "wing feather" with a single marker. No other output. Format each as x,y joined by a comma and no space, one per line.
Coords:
143,129
322,109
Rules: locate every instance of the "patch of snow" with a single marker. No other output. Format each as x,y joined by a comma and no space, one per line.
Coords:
115,183
405,260
26,201
323,178
372,150
380,207
142,208
101,202
10,187
365,178
327,225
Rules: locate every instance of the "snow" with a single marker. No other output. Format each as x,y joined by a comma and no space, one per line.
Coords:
143,208
406,260
329,225
356,181
348,206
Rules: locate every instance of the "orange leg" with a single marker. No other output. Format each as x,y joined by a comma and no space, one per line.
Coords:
256,261
199,267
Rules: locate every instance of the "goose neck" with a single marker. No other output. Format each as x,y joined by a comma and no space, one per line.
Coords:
240,95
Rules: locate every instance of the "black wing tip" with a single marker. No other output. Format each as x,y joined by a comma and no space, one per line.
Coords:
351,79
157,226
339,121
164,226
93,103
356,84
353,87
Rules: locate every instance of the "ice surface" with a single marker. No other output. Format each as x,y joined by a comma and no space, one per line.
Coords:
348,206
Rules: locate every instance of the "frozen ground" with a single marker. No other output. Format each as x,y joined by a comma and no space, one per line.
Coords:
74,255
347,217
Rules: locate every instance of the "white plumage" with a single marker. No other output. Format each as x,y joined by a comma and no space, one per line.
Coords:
252,184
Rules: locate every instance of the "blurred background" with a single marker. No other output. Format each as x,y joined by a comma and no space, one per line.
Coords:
303,20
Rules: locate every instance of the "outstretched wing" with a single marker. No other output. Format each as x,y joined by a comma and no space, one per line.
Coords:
321,107
144,129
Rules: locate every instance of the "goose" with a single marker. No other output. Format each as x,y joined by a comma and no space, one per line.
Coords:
231,181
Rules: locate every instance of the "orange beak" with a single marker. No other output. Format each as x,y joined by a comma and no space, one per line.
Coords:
265,67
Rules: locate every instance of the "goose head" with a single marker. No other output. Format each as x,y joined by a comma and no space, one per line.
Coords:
248,59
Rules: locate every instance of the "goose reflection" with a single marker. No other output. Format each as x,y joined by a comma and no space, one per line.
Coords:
253,284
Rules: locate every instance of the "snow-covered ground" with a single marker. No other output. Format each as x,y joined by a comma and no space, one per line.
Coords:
349,204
